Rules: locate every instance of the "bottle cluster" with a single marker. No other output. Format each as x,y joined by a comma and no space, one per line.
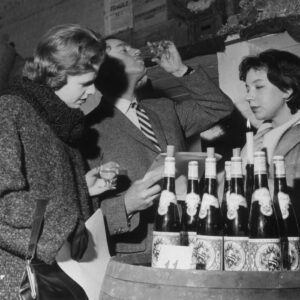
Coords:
251,229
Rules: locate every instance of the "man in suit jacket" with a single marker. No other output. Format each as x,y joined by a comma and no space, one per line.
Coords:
115,134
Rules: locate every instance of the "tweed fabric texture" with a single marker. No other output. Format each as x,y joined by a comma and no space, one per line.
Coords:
38,161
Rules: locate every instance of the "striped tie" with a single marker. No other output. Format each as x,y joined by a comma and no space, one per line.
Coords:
145,125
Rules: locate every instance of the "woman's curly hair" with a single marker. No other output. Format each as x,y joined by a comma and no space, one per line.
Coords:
65,50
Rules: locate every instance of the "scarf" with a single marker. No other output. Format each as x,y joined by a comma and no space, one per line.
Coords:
268,137
67,123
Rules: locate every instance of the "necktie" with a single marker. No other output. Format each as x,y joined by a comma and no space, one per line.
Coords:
145,125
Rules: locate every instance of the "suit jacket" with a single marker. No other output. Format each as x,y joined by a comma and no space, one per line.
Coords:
118,139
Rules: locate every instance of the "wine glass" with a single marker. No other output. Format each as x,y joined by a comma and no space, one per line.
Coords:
157,48
108,172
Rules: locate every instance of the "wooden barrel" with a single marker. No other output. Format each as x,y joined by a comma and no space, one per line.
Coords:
130,278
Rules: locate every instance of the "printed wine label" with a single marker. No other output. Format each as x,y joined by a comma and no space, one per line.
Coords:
192,201
166,198
207,200
208,251
293,254
284,203
233,202
189,239
263,197
163,238
235,253
264,255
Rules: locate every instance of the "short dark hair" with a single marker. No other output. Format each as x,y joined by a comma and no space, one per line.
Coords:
283,71
111,80
64,50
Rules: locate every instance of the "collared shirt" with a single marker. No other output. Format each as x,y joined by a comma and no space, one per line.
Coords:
124,106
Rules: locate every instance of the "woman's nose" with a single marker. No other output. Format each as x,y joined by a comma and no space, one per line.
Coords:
249,96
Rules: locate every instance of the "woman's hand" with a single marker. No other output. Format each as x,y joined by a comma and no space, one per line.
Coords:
96,184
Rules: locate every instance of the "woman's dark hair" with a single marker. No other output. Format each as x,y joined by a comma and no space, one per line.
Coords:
283,71
65,50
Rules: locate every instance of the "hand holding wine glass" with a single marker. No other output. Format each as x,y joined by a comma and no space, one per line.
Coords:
109,172
98,185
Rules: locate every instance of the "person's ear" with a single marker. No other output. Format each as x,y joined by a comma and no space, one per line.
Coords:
107,49
287,94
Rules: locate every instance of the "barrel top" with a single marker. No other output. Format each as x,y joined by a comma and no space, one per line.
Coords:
137,268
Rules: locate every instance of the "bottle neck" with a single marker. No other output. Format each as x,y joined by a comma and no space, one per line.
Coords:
236,185
261,181
193,186
280,185
169,184
210,186
227,184
250,170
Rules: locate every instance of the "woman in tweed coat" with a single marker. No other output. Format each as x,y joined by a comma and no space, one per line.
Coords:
40,125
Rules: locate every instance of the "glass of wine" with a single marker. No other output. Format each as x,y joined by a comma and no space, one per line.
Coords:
157,48
109,172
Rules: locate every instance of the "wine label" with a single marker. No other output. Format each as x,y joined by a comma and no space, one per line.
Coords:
192,201
235,253
284,203
294,252
233,202
263,197
163,238
190,239
208,252
207,200
165,199
264,255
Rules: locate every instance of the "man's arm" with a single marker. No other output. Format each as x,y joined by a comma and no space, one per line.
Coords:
209,104
126,207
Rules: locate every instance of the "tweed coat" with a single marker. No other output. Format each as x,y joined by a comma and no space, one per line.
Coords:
35,165
115,136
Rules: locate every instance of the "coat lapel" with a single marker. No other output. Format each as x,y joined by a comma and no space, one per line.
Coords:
157,128
125,125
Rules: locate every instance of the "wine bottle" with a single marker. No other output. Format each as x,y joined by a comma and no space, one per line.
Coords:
226,190
264,238
190,209
209,243
287,220
249,177
236,221
249,183
166,230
